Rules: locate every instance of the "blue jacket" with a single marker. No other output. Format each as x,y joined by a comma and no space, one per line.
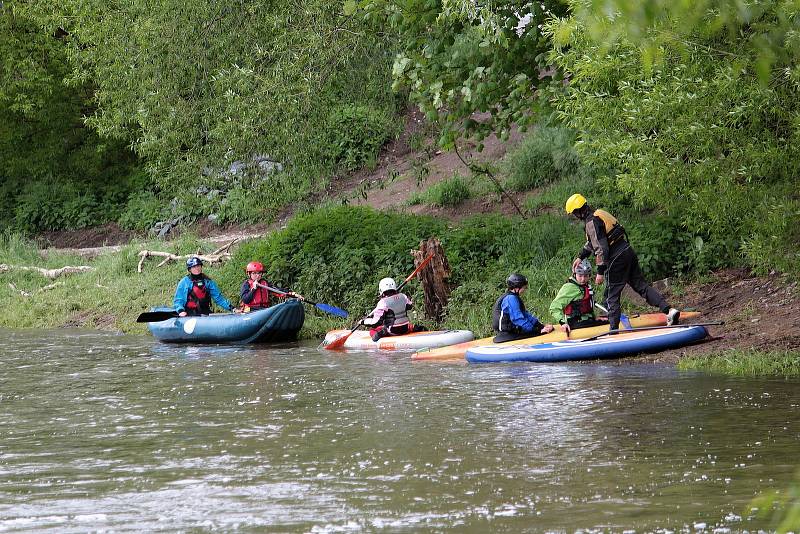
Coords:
185,285
511,309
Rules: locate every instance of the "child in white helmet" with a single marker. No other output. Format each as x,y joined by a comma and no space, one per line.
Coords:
390,316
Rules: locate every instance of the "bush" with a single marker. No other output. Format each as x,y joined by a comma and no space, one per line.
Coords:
545,156
142,210
338,255
449,192
53,205
355,134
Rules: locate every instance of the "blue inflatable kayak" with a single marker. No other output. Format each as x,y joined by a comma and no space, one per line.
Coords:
611,346
277,323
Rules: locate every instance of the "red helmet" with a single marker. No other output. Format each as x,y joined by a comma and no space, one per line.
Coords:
254,267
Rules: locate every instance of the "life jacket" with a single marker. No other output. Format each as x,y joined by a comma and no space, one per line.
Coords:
615,233
260,297
582,306
395,306
198,301
501,322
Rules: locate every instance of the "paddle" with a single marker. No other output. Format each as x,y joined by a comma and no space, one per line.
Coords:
625,331
624,319
339,341
156,316
327,308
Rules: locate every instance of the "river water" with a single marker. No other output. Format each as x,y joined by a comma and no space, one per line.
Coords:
121,433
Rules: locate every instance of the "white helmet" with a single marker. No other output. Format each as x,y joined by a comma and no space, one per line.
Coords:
387,284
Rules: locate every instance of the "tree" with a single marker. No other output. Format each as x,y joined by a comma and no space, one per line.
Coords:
199,85
692,130
472,67
44,145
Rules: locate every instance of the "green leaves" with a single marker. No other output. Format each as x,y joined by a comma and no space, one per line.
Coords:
687,128
459,58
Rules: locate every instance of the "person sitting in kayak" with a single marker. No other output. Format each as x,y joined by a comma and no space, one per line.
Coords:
573,306
510,319
390,316
254,293
195,291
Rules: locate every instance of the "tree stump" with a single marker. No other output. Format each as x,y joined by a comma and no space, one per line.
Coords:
433,278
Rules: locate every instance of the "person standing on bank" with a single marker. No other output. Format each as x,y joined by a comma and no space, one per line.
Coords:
195,291
615,259
510,319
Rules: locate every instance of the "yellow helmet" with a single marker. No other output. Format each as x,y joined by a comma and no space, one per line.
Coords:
575,202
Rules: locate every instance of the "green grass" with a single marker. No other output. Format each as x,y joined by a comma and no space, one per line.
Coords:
746,363
111,296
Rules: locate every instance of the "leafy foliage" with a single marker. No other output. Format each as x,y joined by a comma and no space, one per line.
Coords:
767,29
56,173
218,83
459,58
356,134
545,156
696,136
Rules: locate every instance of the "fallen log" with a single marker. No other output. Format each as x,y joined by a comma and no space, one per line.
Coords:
52,274
218,256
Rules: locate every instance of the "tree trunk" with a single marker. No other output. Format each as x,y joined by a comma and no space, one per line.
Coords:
434,278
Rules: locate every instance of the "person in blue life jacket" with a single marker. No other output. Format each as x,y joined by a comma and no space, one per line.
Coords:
390,316
195,292
574,304
254,293
510,319
616,260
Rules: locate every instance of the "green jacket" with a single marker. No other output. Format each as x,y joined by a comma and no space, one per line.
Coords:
568,292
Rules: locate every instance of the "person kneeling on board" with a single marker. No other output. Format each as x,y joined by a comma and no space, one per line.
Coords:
390,316
573,306
510,319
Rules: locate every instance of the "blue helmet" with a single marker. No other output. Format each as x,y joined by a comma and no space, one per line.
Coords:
194,261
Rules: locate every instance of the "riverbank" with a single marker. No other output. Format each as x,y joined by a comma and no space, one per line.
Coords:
761,334
335,248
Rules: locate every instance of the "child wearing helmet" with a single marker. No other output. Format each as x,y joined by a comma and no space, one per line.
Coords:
510,319
254,292
195,292
390,316
573,306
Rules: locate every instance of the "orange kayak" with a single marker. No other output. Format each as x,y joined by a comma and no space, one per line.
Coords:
459,350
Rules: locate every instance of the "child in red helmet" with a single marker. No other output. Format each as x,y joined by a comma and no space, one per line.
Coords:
254,293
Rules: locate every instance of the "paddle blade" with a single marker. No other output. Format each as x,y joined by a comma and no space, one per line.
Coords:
333,310
338,343
156,316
